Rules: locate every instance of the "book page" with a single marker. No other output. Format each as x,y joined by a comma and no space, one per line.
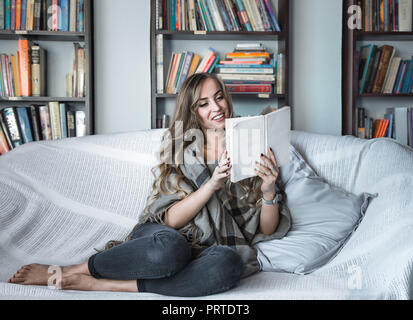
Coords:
278,136
246,144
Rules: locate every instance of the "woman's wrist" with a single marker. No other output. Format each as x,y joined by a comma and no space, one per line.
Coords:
269,196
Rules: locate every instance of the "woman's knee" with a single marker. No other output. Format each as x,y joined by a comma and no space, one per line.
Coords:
228,263
170,247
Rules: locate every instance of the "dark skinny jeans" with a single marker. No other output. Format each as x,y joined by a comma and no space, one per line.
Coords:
162,262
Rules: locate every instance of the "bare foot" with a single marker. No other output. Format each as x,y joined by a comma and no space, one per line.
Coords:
88,283
39,274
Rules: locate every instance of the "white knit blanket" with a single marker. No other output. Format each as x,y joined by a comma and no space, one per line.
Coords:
61,199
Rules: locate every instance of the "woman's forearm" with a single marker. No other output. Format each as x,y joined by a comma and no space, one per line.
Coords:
269,219
185,210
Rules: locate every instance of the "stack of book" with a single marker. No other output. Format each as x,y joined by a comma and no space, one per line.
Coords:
250,68
386,15
48,15
216,15
380,71
184,64
20,125
397,124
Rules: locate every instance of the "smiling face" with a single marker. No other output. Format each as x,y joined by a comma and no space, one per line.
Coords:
212,106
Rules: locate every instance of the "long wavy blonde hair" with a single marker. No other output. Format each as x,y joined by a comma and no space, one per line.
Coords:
186,115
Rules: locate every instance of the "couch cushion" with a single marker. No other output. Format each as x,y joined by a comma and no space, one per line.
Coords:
323,218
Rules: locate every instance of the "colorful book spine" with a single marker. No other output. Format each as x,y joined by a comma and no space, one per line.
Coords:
64,15
35,123
80,26
243,14
45,122
272,16
7,23
24,68
13,127
63,120
24,123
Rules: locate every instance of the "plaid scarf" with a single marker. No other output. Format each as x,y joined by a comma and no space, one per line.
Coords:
234,224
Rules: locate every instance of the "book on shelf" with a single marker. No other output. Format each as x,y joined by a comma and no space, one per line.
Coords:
10,119
21,125
250,68
215,15
397,124
248,137
36,15
77,87
184,64
38,71
386,15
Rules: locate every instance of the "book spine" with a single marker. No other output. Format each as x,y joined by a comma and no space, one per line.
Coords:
35,123
243,15
179,72
8,15
80,25
71,128
63,120
273,19
256,14
81,72
405,15
4,147
30,15
408,78
49,11
5,128
45,123
211,69
159,63
4,75
24,68
185,69
36,73
54,113
80,118
13,15
213,9
2,17
12,125
18,14
55,15
264,16
249,88
23,15
43,15
225,15
247,70
229,5
64,14
36,14
209,63
249,14
24,123
73,18
9,75
387,52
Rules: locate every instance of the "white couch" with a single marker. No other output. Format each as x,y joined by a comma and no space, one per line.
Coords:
61,199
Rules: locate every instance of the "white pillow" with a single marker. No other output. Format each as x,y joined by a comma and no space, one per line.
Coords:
323,218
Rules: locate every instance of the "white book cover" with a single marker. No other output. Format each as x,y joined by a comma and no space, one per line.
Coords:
248,137
257,16
80,123
405,15
159,63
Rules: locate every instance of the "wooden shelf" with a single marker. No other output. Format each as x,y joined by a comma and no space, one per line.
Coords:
383,36
220,35
43,35
41,99
384,95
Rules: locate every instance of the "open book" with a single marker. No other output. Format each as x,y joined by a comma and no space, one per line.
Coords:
248,137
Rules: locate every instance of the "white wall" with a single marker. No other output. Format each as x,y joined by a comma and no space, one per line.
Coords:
316,65
122,65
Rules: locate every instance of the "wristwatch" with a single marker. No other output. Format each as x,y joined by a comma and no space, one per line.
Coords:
277,198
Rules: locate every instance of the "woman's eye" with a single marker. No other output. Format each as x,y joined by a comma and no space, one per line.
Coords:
220,98
203,105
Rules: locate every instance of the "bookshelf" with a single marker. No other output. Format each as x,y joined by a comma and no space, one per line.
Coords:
222,42
352,99
59,46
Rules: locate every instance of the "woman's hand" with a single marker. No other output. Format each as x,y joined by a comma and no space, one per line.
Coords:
268,172
221,172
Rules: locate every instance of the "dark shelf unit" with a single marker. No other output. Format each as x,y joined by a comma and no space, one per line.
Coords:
281,37
350,94
85,37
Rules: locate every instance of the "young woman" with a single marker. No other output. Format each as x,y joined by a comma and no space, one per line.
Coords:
197,232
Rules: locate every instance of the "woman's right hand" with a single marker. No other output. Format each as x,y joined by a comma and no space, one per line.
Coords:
221,172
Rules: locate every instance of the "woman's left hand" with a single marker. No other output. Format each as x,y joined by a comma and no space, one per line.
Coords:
268,172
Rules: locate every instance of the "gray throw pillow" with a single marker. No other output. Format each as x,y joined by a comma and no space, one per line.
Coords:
323,218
